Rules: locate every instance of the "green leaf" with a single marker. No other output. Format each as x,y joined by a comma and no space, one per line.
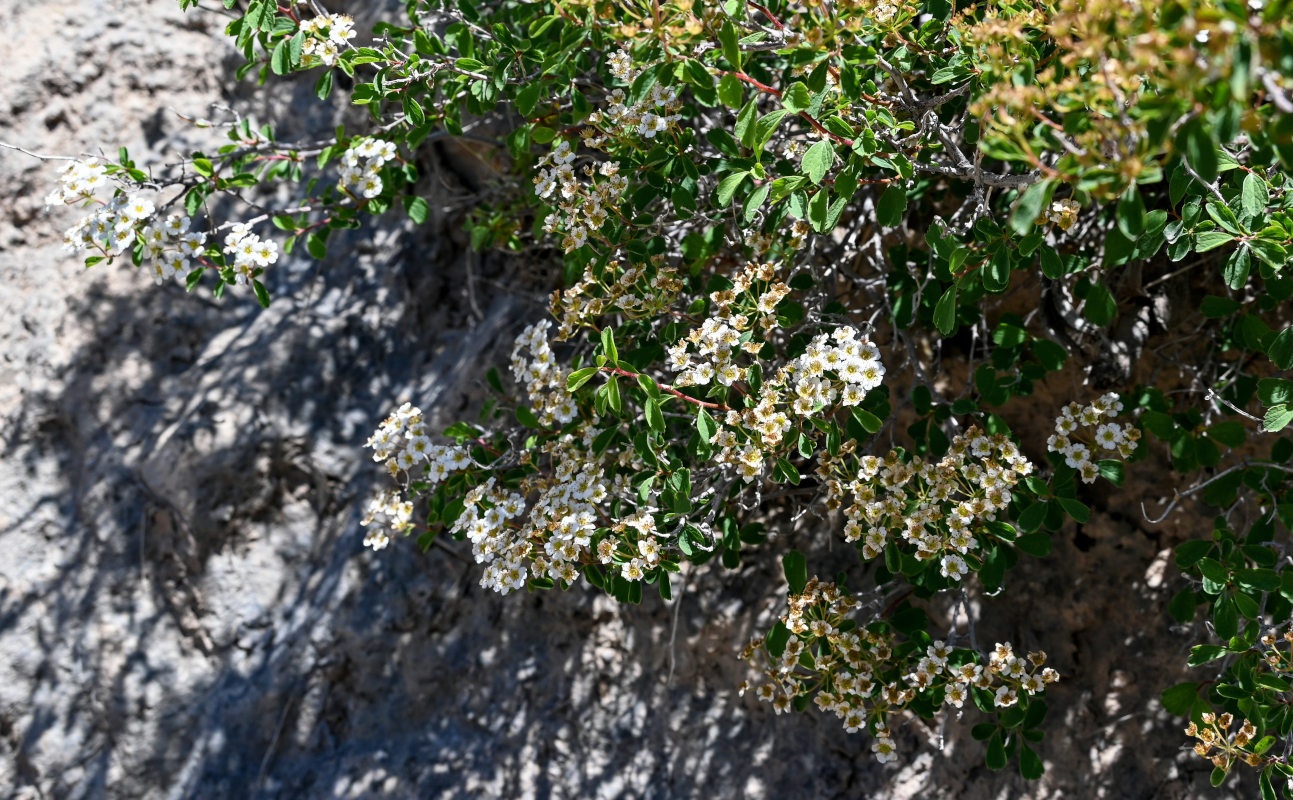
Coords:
1030,764
1281,349
945,312
1214,307
1229,433
317,247
1223,216
869,422
1253,196
796,98
1277,418
1051,263
729,91
766,127
609,349
745,124
705,425
1075,508
1100,306
613,395
262,294
1180,698
995,757
1189,553
654,418
1214,571
1217,777
728,186
817,161
1203,653
891,206
1030,206
796,568
1274,390
728,39
323,87
1236,270
1261,579
279,59
1195,141
1211,240
1032,517
1130,213
755,201
579,377
1225,616
1049,354
1035,544
526,417
1112,471
1272,253
416,208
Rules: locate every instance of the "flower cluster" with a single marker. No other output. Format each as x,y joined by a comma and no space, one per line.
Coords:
401,443
634,291
836,370
392,513
655,113
113,225
251,254
583,208
1083,433
938,507
78,182
535,367
169,246
560,534
1221,745
361,166
857,674
325,36
1063,213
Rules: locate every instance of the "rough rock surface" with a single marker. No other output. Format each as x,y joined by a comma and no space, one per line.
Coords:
185,607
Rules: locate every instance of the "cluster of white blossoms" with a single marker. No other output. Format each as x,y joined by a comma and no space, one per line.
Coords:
836,368
111,228
559,535
78,182
535,367
169,246
361,166
840,666
655,113
250,252
325,36
582,206
936,507
402,444
633,291
1063,213
392,513
1084,434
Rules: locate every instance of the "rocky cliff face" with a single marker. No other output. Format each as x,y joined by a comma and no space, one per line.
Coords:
185,607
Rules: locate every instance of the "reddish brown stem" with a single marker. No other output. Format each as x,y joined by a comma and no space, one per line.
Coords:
670,390
767,14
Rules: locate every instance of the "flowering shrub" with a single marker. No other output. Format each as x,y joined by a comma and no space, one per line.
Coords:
807,252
